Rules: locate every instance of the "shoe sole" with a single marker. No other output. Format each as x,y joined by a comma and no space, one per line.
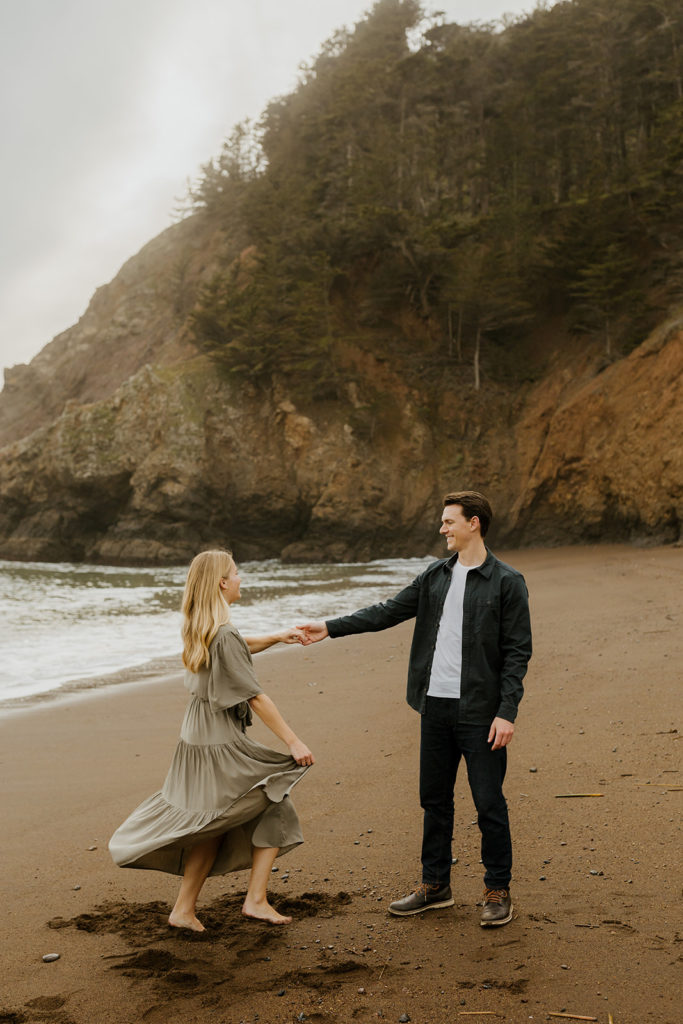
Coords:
421,910
496,924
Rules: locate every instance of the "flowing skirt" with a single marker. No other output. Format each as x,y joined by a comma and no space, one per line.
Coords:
220,783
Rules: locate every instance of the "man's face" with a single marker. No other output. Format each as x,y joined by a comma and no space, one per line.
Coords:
455,528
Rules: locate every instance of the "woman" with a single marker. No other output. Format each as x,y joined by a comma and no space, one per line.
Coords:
225,803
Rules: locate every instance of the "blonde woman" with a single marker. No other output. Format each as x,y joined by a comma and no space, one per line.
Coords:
225,803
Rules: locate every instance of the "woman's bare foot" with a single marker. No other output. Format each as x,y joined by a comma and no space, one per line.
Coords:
178,920
263,912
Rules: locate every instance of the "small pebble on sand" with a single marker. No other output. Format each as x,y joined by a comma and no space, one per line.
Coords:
51,957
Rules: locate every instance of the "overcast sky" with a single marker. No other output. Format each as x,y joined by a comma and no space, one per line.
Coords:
108,107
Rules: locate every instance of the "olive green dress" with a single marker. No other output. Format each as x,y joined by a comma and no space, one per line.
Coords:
220,782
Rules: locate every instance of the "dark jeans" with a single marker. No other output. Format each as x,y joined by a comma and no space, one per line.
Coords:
444,742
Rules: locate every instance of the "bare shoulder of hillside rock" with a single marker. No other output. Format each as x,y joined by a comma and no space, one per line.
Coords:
138,318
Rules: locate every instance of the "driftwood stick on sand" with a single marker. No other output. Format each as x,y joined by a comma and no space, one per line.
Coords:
563,796
571,1016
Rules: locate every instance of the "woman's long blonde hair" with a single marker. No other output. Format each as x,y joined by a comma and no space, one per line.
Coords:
204,607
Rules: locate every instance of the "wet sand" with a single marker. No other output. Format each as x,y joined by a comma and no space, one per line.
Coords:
597,879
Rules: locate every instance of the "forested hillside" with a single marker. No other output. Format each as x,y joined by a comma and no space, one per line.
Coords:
444,189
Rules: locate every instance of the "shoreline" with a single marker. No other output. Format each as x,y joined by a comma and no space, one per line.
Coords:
592,933
148,671
153,672
167,665
640,543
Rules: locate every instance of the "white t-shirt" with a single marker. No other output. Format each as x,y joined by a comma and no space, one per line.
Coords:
444,680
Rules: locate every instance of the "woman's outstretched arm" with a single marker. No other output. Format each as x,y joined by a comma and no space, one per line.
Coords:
285,636
264,707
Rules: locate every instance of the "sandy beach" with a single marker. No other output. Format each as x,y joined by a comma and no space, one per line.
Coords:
597,879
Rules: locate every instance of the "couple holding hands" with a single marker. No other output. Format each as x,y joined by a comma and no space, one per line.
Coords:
225,803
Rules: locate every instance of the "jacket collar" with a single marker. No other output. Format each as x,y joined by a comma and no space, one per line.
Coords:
486,567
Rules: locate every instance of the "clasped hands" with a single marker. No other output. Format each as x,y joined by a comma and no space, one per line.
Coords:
308,633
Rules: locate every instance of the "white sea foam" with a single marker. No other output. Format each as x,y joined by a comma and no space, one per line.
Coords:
61,623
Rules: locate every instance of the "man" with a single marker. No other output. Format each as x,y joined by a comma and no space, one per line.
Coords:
470,650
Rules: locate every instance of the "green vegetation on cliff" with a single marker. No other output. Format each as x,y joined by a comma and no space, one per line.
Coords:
441,189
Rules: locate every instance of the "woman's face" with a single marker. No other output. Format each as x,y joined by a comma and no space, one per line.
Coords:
230,586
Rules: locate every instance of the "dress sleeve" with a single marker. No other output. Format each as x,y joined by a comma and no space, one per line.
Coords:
232,679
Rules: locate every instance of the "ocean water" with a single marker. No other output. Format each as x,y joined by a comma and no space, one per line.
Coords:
65,623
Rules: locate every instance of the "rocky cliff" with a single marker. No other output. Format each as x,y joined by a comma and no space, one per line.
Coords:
123,444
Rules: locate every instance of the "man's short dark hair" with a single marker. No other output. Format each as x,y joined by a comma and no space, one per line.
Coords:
473,504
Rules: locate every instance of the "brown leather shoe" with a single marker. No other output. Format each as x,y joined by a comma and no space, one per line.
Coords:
425,897
497,908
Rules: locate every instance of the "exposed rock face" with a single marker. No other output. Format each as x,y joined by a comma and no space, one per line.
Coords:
176,459
603,457
123,445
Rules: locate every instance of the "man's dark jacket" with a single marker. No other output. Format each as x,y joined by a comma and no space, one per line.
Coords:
496,635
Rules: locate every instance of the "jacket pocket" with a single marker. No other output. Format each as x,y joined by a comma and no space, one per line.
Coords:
486,617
